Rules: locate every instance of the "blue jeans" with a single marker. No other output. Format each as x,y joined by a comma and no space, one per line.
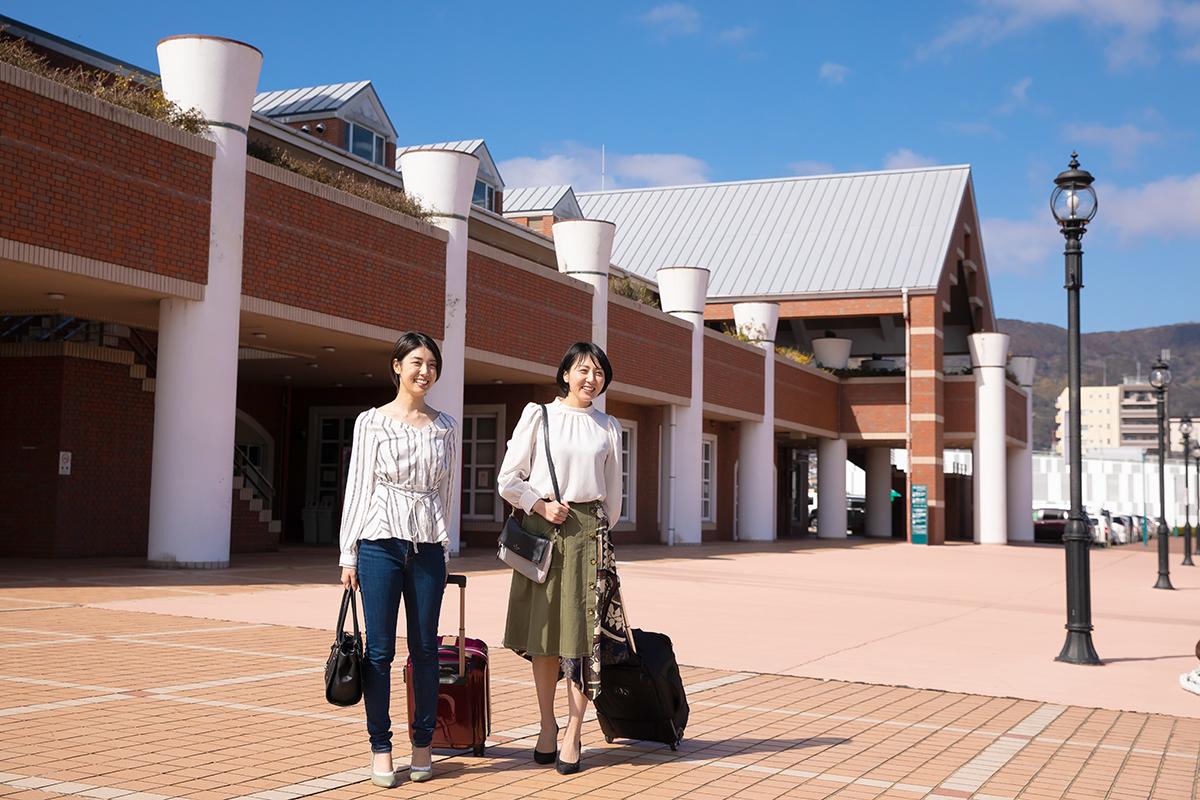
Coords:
389,569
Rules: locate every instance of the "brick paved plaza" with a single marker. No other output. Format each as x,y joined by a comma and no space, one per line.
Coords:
107,702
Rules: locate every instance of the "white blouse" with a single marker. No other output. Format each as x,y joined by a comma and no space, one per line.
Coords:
399,482
586,446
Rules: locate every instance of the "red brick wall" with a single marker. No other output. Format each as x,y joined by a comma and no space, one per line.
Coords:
872,407
645,521
309,252
81,184
733,375
102,507
960,407
1014,414
649,351
805,398
518,313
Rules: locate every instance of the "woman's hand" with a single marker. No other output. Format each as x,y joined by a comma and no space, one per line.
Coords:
350,578
552,512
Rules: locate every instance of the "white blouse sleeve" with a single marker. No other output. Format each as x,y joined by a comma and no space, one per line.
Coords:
612,473
360,486
512,482
451,461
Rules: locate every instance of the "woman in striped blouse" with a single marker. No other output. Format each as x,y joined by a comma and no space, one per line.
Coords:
395,544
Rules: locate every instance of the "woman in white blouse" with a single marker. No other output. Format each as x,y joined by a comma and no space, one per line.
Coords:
559,624
395,544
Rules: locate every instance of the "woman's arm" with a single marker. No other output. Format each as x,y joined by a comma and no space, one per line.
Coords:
512,482
360,485
451,462
612,473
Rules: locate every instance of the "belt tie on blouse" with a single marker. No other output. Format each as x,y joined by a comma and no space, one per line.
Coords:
399,496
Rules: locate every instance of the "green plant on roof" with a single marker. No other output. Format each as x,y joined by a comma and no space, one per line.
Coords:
633,290
343,180
141,94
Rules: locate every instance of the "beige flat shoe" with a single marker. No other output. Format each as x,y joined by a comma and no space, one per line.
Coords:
385,779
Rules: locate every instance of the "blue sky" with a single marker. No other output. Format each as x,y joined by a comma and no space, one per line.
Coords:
687,92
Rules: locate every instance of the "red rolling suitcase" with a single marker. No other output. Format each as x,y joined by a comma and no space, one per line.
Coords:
464,707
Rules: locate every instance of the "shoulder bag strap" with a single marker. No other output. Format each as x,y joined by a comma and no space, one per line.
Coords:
549,458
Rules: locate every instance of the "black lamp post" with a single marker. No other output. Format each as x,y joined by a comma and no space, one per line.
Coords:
1073,203
1160,379
1185,429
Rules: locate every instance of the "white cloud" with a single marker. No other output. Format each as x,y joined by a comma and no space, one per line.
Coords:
907,159
833,73
1016,246
1165,208
1123,141
738,34
579,166
673,19
1018,95
1130,23
810,167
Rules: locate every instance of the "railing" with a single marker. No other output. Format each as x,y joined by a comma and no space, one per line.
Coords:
144,350
244,468
47,328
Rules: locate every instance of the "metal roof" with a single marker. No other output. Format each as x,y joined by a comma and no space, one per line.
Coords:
854,232
307,100
462,146
488,170
534,198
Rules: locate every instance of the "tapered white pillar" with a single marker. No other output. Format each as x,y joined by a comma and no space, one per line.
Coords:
832,519
443,180
756,509
583,248
683,291
989,356
1020,459
879,492
195,399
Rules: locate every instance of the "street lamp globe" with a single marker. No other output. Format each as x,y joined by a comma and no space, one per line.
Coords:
1160,375
1185,426
1073,201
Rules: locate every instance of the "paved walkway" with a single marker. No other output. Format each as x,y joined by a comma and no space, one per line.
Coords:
110,702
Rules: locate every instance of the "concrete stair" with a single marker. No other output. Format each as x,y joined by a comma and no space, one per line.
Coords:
254,528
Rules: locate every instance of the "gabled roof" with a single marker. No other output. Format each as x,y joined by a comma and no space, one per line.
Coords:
307,100
542,199
476,147
847,233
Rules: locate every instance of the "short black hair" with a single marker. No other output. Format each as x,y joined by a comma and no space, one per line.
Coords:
576,352
409,341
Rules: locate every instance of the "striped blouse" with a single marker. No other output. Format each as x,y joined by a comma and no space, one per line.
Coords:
399,482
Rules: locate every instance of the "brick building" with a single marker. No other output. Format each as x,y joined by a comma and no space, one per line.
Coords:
188,333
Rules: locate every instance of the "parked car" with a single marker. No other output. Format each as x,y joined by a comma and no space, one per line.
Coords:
1102,532
1049,524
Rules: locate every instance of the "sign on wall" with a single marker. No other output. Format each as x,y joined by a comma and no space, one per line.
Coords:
920,513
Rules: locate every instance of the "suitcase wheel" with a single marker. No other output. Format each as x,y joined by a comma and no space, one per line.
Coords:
479,751
674,748
608,739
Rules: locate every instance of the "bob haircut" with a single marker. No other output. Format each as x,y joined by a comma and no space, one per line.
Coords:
409,341
575,353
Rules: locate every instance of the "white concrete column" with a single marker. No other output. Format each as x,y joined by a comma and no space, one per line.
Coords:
757,510
443,180
879,492
832,519
1020,459
195,400
583,248
683,291
989,356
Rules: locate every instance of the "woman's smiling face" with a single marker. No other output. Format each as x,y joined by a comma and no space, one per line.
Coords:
585,380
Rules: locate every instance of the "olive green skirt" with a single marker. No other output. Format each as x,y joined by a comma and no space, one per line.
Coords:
557,618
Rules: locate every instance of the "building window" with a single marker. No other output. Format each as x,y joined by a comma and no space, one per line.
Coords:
628,470
708,483
485,196
366,143
481,444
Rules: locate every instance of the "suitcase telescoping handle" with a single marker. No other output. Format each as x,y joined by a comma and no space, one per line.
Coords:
461,582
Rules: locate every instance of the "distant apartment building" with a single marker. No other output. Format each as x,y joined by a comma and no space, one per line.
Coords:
1110,416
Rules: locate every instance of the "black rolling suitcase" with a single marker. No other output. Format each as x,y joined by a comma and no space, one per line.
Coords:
643,699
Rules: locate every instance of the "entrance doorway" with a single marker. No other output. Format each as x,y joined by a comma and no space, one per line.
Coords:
793,490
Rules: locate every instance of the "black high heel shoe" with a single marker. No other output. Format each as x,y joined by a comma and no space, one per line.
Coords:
569,767
546,758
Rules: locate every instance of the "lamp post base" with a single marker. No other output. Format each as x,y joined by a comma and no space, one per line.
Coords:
1164,582
1078,649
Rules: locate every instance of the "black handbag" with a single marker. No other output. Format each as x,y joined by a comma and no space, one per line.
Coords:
528,553
343,669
